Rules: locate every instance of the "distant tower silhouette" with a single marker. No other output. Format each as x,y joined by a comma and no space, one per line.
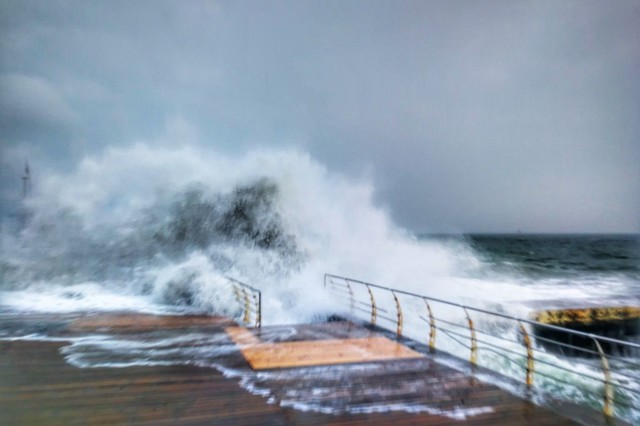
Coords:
26,181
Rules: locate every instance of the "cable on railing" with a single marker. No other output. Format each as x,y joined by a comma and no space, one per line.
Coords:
624,360
504,339
490,347
567,345
342,290
540,361
393,320
448,334
368,311
526,340
495,314
453,324
487,345
570,384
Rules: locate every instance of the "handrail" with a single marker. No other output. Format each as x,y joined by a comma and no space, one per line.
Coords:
244,293
613,378
484,311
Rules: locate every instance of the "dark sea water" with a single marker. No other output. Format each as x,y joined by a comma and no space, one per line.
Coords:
599,265
561,255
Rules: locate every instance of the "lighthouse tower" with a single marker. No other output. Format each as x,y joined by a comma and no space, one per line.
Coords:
26,181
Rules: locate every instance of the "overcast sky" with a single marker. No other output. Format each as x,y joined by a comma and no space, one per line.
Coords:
490,116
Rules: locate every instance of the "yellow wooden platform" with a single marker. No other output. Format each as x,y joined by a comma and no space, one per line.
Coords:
263,356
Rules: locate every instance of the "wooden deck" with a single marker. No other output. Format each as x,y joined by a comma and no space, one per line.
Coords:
139,369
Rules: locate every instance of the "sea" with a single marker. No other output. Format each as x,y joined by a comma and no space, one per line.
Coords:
157,230
593,265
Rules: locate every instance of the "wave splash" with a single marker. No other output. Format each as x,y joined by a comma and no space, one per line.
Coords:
163,226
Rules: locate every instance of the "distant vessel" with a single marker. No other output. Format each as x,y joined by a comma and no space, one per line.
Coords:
17,219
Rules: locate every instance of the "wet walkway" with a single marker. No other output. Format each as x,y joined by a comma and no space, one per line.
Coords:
141,369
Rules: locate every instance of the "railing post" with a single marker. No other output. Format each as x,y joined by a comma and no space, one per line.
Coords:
374,309
473,357
352,299
246,296
530,360
398,313
257,297
246,318
608,386
432,328
236,293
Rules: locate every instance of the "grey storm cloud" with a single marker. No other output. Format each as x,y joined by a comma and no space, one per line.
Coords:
473,116
31,106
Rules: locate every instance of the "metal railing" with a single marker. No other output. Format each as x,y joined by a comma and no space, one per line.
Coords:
620,375
250,301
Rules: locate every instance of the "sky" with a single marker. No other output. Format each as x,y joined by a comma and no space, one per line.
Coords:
491,116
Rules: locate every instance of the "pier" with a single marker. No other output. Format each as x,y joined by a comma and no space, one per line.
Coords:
337,373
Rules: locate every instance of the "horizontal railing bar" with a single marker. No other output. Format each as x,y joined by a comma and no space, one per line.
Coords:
448,334
586,390
624,360
467,327
362,310
465,336
567,345
379,309
616,383
369,312
453,324
240,283
519,360
511,360
534,349
625,387
524,356
488,344
393,320
497,314
577,373
252,302
346,292
504,339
